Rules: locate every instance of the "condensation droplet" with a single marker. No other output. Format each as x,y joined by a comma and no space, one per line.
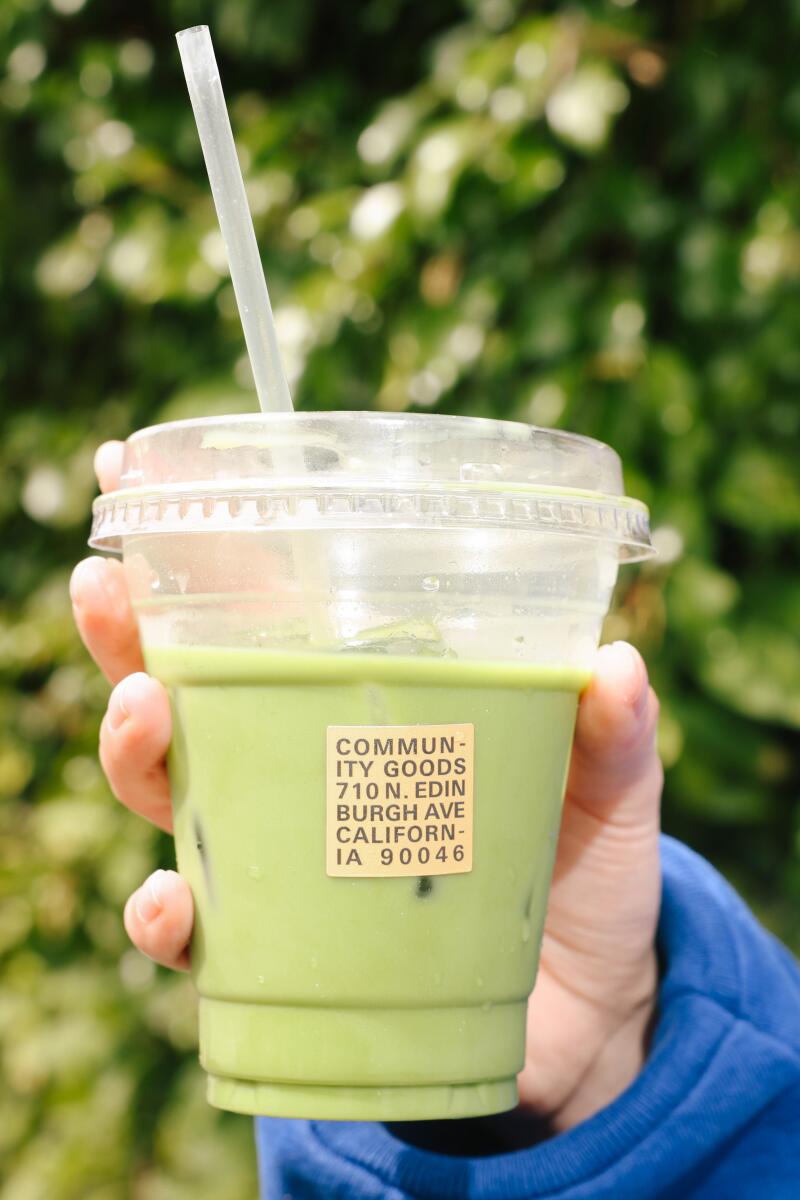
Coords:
480,472
255,872
526,930
479,981
430,583
261,979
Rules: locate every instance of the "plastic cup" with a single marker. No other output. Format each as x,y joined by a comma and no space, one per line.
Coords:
374,660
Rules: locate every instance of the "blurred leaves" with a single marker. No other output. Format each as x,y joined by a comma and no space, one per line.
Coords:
583,216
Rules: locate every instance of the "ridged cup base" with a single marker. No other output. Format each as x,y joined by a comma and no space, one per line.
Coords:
362,1064
362,1103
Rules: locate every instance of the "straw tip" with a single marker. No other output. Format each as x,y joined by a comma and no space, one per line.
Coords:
182,33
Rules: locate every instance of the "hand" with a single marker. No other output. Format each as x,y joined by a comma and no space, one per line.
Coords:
134,736
591,1010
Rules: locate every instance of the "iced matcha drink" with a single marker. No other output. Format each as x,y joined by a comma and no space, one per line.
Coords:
374,629
359,997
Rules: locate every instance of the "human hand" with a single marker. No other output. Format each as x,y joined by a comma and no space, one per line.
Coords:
591,1011
134,736
593,1003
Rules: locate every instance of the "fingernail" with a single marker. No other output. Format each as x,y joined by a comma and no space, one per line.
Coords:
129,699
108,463
149,900
637,692
88,584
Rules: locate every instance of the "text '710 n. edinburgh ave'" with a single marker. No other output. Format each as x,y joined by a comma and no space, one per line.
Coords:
399,799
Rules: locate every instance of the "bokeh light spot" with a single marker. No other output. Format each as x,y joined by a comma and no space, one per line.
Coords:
507,105
67,8
135,57
95,80
530,60
303,223
377,210
43,493
27,61
471,93
668,543
546,404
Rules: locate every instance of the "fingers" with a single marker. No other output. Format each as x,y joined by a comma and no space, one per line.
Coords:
100,600
108,465
134,737
615,771
105,618
159,918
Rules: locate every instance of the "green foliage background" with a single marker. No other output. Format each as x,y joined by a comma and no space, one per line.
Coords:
582,216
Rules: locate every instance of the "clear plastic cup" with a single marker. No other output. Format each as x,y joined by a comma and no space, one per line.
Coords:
374,630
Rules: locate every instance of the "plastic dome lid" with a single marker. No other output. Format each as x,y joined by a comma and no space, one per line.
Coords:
359,469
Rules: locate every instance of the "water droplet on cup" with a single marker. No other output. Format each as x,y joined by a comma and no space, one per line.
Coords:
261,979
430,583
255,872
479,981
526,930
480,472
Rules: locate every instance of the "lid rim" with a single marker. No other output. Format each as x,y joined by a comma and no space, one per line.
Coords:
618,521
224,489
374,416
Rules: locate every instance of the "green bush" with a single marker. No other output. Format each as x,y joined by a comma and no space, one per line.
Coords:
581,216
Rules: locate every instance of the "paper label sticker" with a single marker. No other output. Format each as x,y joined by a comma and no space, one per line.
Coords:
400,799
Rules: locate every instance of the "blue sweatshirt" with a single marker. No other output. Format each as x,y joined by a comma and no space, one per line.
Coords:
714,1114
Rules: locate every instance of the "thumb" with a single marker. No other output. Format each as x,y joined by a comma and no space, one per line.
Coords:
604,902
615,773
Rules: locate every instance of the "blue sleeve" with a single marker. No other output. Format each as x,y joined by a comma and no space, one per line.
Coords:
714,1113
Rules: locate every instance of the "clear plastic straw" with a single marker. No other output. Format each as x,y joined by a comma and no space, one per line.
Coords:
227,187
247,275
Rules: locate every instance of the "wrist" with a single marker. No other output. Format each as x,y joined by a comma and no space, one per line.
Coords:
615,1066
568,1084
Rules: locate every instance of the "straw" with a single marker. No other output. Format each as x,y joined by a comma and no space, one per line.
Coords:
235,222
247,275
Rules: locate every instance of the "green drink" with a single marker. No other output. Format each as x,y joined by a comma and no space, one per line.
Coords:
384,997
374,630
